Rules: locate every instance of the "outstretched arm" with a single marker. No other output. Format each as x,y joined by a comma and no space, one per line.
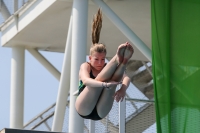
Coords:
87,81
120,94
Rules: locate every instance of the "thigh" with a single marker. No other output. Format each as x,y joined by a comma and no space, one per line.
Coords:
87,100
107,71
105,101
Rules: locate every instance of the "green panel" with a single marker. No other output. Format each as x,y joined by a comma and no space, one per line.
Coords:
176,65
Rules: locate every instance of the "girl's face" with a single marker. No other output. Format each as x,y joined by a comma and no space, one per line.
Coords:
97,60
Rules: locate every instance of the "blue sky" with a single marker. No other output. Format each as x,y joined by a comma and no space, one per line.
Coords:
40,86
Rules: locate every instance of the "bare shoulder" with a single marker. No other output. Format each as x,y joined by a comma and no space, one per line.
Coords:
84,70
85,66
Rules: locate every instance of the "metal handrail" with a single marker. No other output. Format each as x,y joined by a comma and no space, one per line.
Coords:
140,100
38,116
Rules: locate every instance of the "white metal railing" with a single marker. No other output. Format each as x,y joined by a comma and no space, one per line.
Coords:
44,120
39,119
9,8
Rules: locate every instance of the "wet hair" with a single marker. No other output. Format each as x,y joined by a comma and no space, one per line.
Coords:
96,29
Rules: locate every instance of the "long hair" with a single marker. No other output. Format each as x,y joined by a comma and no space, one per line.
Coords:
96,30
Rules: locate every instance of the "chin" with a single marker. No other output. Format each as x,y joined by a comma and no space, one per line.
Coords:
99,68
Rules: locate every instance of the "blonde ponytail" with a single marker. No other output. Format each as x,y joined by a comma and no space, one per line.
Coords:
96,27
96,30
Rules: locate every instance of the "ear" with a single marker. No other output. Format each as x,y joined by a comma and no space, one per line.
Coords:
90,57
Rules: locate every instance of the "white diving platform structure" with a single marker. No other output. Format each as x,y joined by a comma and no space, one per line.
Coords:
64,26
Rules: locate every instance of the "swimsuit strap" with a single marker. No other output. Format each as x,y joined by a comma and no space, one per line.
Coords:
91,74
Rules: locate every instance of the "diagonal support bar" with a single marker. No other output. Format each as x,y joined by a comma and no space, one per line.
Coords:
45,63
64,85
4,10
125,29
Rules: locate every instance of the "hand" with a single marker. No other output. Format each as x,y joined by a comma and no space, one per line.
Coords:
119,95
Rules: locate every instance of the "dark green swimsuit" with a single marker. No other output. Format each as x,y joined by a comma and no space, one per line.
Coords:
81,85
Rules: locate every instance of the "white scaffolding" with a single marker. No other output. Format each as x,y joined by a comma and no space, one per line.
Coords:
74,56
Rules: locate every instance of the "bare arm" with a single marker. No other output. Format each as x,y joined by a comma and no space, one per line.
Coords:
125,82
120,94
87,81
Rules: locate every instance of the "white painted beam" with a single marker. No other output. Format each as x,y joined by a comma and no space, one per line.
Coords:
64,85
122,116
125,29
92,126
79,45
11,28
45,63
15,5
17,88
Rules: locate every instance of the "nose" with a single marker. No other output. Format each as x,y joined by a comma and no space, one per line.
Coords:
99,62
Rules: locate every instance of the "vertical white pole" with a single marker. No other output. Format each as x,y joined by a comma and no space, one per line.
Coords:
64,85
17,88
23,2
92,126
4,10
125,29
107,123
15,5
79,44
122,116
